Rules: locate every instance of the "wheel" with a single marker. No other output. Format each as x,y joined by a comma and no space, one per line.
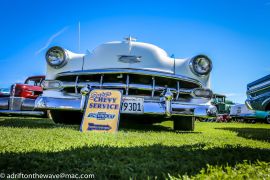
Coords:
183,123
267,119
66,117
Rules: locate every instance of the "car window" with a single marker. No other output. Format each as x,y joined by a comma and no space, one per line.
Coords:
34,82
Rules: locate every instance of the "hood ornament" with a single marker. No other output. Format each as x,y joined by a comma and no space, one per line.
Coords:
129,59
130,39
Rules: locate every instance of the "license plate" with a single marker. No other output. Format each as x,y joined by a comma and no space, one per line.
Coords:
132,105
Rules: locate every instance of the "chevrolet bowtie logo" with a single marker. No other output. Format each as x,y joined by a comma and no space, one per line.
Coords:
129,59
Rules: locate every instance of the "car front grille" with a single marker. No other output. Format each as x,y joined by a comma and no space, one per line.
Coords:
146,85
259,89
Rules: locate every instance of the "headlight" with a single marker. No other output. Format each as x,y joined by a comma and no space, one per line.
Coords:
201,65
56,57
51,84
206,93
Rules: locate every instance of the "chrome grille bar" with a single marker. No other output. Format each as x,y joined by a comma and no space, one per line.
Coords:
101,81
178,90
132,84
124,86
153,86
127,84
76,84
131,71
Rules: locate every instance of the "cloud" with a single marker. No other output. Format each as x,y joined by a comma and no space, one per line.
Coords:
51,39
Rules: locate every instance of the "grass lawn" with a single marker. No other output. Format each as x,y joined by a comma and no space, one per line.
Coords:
213,150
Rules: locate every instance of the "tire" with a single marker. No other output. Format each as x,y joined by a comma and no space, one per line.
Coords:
66,117
183,123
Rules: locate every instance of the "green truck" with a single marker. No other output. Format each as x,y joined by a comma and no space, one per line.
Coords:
223,105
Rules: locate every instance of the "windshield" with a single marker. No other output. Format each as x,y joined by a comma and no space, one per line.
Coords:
34,82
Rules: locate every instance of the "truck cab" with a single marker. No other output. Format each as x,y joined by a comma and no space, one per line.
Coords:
22,97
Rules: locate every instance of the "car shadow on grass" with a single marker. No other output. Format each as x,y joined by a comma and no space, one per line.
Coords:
142,127
139,126
261,134
29,122
147,123
123,162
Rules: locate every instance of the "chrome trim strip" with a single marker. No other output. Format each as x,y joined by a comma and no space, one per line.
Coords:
130,71
265,83
12,112
259,96
257,89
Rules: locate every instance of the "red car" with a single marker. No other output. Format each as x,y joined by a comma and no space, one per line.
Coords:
22,97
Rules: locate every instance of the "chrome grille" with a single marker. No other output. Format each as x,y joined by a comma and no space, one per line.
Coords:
130,83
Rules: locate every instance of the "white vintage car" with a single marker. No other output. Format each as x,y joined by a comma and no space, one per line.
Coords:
152,83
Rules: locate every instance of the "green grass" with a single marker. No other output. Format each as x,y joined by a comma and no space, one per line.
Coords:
212,151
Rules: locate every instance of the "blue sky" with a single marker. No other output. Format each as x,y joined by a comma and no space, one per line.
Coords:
234,34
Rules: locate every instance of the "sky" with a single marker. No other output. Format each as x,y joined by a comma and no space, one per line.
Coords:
234,34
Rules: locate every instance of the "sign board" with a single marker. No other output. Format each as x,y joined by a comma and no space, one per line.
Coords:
102,112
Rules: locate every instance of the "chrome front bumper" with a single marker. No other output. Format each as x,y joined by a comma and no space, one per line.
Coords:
18,106
150,107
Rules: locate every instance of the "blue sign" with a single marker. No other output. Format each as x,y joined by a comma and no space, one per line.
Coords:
101,115
92,126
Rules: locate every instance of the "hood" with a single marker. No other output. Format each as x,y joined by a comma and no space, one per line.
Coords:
128,54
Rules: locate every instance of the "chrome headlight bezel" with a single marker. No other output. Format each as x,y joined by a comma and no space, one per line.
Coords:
52,85
58,55
195,65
